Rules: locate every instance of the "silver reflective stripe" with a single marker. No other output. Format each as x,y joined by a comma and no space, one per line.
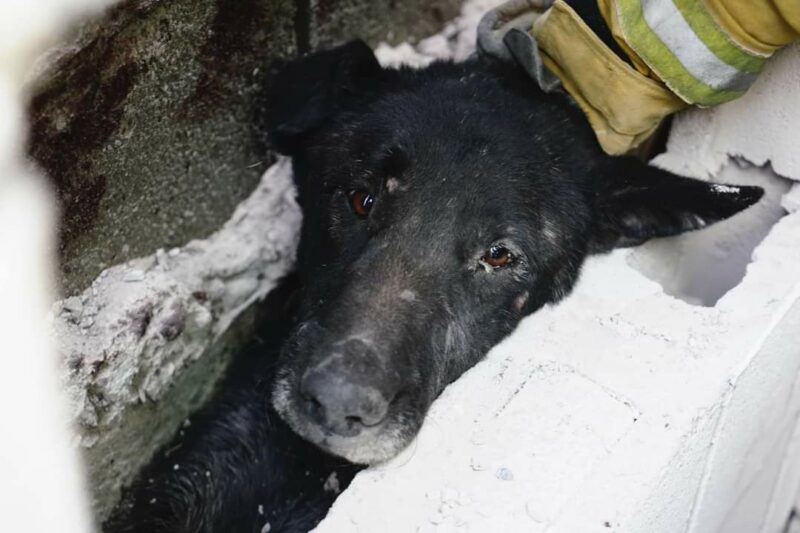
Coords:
668,24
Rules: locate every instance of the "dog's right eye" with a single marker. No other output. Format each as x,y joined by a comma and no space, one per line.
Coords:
497,256
361,202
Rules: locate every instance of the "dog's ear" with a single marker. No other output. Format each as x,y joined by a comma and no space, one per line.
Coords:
636,202
303,92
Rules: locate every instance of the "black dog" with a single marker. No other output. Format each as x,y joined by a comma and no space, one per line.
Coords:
441,206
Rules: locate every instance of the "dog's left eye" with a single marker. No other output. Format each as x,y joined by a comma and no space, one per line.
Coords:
497,256
361,202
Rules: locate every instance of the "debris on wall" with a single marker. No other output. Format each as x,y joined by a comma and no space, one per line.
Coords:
456,41
142,344
148,121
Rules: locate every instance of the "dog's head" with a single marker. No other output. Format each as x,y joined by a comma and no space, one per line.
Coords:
441,206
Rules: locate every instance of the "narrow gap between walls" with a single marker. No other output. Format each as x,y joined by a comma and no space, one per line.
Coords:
302,26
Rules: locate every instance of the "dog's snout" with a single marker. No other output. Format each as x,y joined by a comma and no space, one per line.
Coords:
344,408
346,392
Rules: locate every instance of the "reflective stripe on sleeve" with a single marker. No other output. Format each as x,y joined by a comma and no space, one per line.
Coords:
723,45
659,32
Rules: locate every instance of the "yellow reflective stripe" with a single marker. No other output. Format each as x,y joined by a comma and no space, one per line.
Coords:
669,25
694,87
609,13
717,40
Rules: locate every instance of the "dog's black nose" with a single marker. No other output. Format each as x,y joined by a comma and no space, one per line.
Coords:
344,398
341,406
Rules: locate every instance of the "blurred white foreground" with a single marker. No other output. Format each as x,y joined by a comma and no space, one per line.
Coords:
41,487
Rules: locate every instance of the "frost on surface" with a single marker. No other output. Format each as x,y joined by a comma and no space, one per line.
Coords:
150,330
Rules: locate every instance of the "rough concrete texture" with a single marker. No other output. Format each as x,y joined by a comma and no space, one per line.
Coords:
623,408
746,141
143,124
143,344
334,21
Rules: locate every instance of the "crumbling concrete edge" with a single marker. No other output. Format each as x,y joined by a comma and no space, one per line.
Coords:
158,330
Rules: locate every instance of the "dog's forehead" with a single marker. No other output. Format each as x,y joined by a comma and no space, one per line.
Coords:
453,213
471,159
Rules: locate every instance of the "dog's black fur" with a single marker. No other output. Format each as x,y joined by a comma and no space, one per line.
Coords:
236,466
465,164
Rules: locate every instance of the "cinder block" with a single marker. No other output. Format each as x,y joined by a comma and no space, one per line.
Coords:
42,484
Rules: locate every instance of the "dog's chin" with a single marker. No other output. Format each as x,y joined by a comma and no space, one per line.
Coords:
373,445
